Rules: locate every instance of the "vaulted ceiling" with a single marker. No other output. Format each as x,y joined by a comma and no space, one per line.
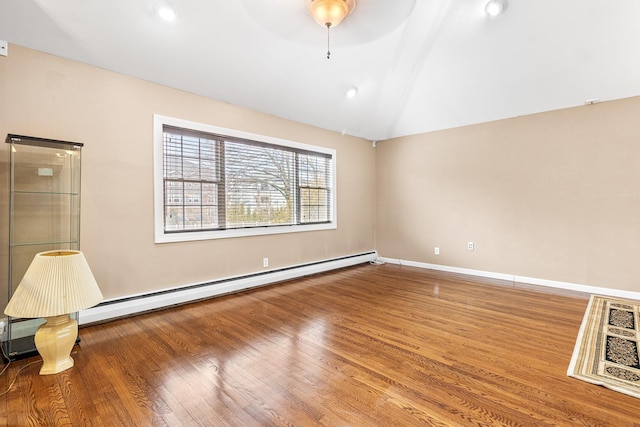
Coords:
418,65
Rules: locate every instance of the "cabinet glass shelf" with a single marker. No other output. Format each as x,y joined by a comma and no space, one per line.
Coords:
44,215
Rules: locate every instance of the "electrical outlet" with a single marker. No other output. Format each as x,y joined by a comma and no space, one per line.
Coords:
436,250
265,262
470,246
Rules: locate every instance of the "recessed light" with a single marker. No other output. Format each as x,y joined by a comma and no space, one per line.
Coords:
353,91
166,11
495,7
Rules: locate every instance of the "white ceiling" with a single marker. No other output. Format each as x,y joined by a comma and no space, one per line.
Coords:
420,66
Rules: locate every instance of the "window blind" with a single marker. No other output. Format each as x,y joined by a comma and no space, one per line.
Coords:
221,182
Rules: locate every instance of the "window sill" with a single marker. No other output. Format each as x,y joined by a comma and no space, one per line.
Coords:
189,236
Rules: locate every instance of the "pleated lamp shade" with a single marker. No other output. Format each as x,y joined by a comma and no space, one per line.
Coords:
56,283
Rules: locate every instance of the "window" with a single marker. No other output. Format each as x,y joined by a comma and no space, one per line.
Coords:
212,182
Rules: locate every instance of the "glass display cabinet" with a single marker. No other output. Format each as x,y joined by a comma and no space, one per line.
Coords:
44,214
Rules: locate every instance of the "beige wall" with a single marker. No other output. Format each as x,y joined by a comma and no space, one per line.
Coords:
112,114
552,196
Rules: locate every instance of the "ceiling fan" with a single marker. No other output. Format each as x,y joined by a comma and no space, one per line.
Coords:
361,21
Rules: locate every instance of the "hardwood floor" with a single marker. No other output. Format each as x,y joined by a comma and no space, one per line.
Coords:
365,346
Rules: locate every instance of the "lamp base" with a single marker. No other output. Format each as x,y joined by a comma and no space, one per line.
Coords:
54,340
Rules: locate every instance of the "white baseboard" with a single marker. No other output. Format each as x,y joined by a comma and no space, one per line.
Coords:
595,290
619,293
111,309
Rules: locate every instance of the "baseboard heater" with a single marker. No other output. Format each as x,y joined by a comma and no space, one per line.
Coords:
137,304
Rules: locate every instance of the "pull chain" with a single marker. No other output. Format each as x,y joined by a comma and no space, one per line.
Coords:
328,32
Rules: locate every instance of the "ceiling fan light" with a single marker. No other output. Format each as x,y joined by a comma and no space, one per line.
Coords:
495,7
330,13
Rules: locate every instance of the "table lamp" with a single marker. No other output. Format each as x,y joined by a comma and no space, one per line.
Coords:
56,284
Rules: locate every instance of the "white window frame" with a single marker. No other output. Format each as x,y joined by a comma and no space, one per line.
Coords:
158,156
